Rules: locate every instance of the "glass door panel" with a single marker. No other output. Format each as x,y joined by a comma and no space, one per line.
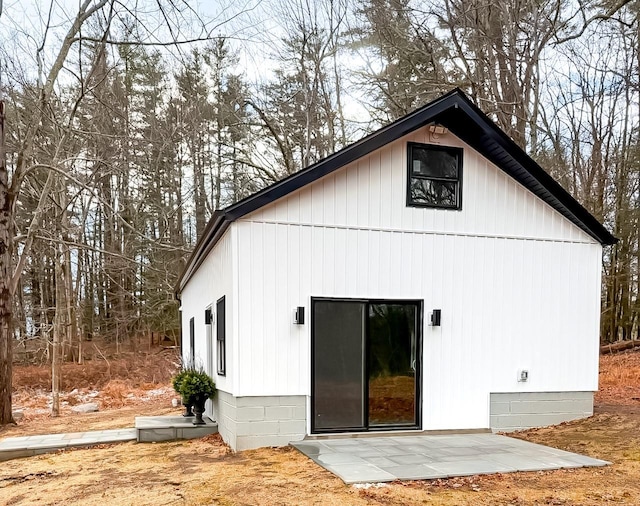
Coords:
392,346
339,339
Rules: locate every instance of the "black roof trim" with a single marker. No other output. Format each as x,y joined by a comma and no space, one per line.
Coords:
464,119
212,233
496,146
364,146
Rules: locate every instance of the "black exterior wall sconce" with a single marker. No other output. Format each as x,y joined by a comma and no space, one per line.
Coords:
435,317
298,317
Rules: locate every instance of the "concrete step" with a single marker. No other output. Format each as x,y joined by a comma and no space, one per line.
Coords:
169,428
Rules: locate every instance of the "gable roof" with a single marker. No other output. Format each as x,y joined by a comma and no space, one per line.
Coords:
464,119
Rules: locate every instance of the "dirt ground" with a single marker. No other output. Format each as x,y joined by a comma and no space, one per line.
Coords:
126,386
206,472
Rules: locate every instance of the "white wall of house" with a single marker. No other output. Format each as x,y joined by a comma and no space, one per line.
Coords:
371,194
213,280
517,283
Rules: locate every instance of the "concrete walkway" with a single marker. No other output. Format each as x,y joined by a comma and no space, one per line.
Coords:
27,446
425,457
147,429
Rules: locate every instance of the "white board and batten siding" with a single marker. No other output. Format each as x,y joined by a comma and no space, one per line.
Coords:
517,283
215,278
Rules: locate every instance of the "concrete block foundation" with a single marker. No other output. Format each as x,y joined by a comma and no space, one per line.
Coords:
254,422
511,411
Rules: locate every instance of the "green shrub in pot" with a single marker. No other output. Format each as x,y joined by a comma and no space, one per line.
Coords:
176,382
196,386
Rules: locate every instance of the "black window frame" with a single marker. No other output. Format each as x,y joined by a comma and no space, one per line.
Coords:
458,152
192,341
209,349
221,337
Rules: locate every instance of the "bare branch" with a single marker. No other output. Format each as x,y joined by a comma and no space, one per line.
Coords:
613,10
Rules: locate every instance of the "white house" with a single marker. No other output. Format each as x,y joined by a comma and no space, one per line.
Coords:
430,276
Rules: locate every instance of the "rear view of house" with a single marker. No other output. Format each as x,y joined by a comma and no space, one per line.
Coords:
428,277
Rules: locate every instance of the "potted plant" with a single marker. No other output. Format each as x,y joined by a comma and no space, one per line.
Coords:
197,386
177,382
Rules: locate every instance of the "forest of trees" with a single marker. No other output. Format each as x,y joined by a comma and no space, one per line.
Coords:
120,143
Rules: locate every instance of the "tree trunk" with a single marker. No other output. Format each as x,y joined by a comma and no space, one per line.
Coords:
6,349
71,353
59,332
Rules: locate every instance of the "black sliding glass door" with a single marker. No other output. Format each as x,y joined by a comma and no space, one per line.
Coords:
339,367
365,365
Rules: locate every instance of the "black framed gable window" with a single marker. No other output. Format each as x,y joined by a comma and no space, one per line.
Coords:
434,177
221,350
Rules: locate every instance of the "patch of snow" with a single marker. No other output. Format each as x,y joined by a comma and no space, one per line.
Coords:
157,391
369,485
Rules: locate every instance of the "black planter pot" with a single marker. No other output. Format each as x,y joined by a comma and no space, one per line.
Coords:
198,409
187,407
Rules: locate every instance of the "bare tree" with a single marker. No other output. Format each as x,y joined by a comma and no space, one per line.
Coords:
301,109
589,141
406,61
6,345
105,23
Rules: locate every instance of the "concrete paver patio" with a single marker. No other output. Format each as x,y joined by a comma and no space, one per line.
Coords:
426,457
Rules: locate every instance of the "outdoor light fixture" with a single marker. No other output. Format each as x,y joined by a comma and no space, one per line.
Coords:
435,317
207,316
438,130
298,317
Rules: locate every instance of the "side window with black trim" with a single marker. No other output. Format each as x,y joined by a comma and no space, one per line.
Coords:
221,337
434,177
192,341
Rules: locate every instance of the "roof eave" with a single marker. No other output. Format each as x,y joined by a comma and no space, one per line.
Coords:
216,227
575,212
363,147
